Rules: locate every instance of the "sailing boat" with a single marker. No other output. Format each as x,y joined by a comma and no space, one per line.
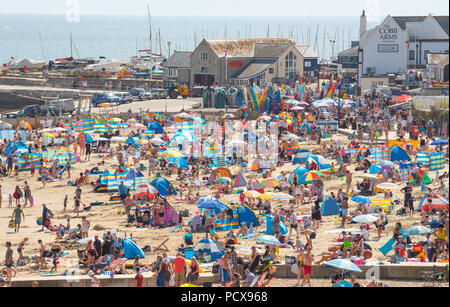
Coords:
69,62
149,64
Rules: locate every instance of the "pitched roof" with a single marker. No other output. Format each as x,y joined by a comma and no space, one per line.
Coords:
269,50
257,67
306,51
349,52
180,59
242,47
443,22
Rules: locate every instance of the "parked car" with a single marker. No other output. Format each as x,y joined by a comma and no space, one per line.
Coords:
62,106
105,98
125,98
139,93
159,93
32,111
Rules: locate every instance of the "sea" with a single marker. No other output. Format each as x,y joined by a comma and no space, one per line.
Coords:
47,37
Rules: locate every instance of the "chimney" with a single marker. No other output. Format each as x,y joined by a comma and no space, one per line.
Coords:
362,24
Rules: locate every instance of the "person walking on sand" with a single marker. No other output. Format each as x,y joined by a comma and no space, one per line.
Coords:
348,181
17,216
344,211
28,197
9,261
85,224
308,259
44,215
20,251
300,255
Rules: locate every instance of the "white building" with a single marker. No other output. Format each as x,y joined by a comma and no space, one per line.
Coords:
401,43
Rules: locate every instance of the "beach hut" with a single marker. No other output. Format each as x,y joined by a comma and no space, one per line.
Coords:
164,186
329,207
240,181
398,154
222,172
211,247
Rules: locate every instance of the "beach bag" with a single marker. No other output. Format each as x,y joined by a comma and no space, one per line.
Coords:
290,260
215,268
172,280
313,235
46,223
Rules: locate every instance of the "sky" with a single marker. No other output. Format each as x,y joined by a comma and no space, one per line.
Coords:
374,8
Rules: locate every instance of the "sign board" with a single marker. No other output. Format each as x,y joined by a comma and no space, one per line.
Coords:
204,69
235,63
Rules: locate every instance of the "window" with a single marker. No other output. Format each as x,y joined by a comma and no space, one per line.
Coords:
388,48
290,65
173,72
411,55
203,56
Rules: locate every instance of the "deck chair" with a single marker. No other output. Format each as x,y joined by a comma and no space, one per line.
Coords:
261,279
268,283
117,264
162,246
254,281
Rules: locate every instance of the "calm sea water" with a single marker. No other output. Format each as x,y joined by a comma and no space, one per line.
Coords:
119,37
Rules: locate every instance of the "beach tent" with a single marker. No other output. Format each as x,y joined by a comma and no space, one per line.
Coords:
300,171
256,186
131,249
300,157
13,146
222,171
164,186
179,162
183,138
423,177
269,219
320,160
329,207
211,247
247,216
240,181
437,202
24,125
156,127
398,154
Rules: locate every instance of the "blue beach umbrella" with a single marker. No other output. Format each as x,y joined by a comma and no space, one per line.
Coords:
267,239
343,264
418,231
361,199
439,142
212,204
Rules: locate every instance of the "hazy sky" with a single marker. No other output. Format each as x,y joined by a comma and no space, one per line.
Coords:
231,7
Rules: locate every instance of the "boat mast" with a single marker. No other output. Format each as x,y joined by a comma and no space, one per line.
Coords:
42,46
150,29
71,43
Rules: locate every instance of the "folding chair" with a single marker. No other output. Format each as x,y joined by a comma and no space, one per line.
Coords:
162,246
268,283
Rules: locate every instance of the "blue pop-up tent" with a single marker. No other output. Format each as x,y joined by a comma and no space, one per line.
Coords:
156,127
329,207
399,154
131,249
211,247
179,162
164,186
300,171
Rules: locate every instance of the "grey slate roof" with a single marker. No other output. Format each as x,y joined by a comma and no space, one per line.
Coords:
179,59
256,67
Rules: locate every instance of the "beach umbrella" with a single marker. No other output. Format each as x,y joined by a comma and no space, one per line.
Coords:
302,104
418,231
132,120
114,120
292,101
138,126
118,139
264,118
266,196
312,175
386,186
251,194
145,191
365,219
239,190
20,151
49,135
183,115
175,154
292,136
228,116
267,239
439,142
281,196
156,141
344,265
203,199
270,183
100,139
367,176
402,98
296,108
386,163
361,199
212,204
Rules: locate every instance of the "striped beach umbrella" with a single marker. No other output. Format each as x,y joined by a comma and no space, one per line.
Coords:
266,196
270,183
252,194
343,264
281,196
267,239
312,175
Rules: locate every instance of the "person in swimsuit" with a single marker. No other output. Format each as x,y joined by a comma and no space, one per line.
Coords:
20,251
42,254
300,264
308,259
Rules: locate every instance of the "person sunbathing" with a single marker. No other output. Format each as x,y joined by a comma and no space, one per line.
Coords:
327,256
243,230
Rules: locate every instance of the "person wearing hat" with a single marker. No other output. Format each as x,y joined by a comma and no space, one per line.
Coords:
94,280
